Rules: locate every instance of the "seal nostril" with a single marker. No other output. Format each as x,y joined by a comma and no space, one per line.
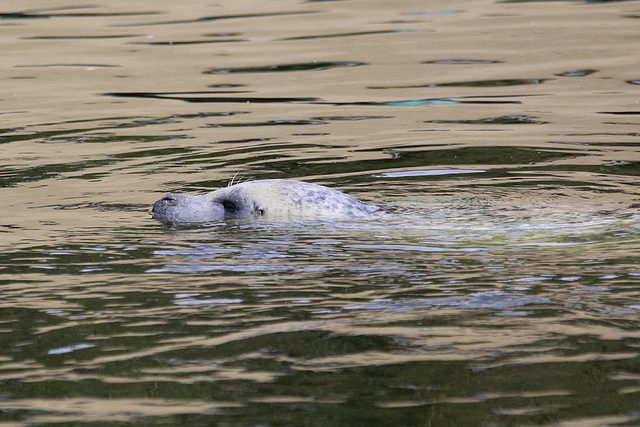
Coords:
168,201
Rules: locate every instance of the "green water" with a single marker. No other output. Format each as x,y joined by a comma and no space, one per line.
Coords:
498,287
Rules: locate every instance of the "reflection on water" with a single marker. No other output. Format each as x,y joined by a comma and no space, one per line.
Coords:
311,66
204,97
479,83
497,287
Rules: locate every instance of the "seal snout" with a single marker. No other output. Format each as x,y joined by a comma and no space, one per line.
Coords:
168,200
161,206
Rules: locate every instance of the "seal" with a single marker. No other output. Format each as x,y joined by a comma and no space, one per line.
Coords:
272,198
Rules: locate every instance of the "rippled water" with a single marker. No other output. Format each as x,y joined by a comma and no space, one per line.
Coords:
498,287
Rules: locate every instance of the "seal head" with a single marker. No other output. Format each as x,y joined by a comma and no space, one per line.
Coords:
272,198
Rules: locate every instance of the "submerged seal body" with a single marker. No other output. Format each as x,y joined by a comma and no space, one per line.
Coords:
272,198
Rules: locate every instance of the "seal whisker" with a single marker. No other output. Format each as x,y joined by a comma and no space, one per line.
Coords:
233,178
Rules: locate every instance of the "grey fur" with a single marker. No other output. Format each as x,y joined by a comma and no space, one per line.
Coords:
272,198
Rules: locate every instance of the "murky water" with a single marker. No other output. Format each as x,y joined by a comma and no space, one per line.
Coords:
500,287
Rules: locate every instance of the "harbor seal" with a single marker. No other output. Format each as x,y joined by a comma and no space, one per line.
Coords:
271,198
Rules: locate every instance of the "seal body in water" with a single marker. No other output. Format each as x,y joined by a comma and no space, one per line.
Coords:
271,198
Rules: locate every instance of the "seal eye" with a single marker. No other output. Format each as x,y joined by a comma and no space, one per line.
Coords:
259,212
168,201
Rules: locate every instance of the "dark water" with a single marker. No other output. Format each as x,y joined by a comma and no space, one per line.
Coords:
500,287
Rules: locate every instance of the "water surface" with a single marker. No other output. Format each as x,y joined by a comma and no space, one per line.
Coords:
499,287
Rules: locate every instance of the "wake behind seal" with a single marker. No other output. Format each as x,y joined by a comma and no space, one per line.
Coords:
270,198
